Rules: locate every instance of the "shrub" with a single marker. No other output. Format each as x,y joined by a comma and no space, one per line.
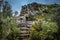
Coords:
8,29
46,30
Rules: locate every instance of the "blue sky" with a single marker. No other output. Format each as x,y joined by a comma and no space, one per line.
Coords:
16,4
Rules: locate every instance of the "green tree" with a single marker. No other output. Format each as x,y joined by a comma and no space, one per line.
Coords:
56,18
1,3
7,12
8,27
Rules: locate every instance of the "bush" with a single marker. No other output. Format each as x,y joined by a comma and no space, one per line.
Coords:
8,29
46,30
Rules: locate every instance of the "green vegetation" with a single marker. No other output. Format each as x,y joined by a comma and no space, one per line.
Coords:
46,26
30,18
8,29
43,29
43,32
8,25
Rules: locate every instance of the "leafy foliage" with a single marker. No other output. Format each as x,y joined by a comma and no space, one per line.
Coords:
8,27
30,18
7,9
43,31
